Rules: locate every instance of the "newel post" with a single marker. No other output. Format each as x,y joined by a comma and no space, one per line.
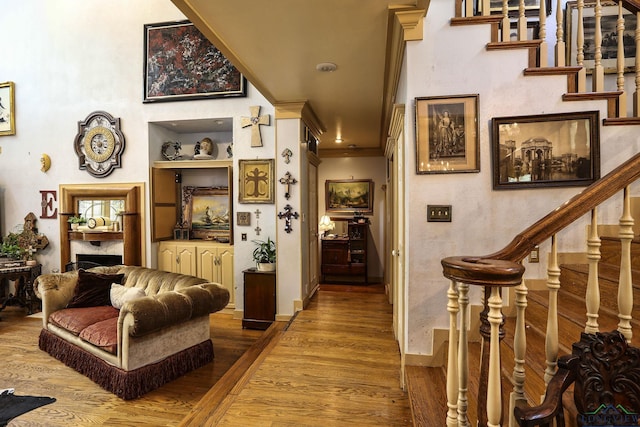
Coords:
493,275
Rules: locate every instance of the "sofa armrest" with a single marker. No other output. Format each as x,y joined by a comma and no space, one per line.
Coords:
55,290
153,313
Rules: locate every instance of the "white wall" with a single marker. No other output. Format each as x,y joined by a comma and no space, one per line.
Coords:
70,58
454,61
360,168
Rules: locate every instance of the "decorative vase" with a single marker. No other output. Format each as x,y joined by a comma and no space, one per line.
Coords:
266,266
74,226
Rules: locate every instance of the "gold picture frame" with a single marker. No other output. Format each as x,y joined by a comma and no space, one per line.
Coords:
208,212
7,109
447,134
257,183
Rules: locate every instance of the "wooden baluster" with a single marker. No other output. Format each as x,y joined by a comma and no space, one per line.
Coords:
463,355
597,77
625,284
506,22
622,99
522,22
543,50
582,74
469,8
560,44
519,350
452,358
486,7
636,96
551,339
593,284
494,389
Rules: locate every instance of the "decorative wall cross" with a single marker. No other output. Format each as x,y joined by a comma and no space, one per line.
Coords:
287,154
258,230
287,181
257,212
255,121
287,215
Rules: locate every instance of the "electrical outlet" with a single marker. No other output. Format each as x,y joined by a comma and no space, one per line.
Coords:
438,213
244,237
534,255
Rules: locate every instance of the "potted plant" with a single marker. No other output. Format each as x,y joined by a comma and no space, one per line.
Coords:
10,247
75,221
265,255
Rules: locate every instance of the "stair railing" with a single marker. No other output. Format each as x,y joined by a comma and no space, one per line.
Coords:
502,18
504,269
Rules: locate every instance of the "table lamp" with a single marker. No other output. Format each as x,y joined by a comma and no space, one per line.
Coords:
326,224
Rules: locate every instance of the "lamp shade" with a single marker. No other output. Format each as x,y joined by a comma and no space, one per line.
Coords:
326,224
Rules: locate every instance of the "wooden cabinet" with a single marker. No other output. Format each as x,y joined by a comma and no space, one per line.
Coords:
346,256
209,260
259,299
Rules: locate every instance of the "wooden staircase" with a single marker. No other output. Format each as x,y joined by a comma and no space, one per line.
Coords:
427,386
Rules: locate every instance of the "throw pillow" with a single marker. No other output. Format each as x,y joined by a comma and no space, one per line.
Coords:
92,289
121,294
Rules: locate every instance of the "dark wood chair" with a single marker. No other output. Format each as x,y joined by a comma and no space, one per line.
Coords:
605,372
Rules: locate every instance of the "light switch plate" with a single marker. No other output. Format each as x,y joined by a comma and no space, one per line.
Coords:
438,213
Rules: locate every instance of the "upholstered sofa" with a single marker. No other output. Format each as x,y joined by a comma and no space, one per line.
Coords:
160,332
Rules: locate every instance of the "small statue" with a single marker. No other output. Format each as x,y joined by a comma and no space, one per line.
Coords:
204,149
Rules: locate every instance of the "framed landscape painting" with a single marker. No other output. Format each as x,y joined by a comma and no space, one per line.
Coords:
349,196
208,212
547,150
181,64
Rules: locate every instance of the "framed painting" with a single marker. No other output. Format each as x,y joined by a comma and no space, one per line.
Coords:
181,64
548,150
208,212
447,134
349,196
7,109
608,25
257,183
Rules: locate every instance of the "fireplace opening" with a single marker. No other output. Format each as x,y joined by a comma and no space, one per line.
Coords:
100,259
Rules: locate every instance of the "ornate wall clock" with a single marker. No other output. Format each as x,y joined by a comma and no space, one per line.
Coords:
99,144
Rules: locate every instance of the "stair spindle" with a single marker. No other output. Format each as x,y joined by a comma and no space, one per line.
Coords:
625,284
522,22
463,355
551,339
519,350
593,284
543,49
582,74
452,358
636,96
560,44
494,392
597,76
622,100
506,22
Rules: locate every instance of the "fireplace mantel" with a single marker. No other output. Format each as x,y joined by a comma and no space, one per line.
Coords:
131,234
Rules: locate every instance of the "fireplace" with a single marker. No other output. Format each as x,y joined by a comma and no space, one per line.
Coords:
100,259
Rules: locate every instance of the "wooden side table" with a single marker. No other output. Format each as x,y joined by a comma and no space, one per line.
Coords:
24,276
259,299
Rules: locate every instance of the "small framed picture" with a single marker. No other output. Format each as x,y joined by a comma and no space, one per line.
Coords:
243,218
7,109
256,181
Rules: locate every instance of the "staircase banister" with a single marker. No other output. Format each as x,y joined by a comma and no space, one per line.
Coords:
632,6
482,271
579,205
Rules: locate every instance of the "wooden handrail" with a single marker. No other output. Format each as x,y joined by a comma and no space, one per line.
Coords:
631,5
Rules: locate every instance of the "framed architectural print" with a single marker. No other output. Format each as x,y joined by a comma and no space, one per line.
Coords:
181,64
257,182
349,196
447,134
547,150
7,109
207,212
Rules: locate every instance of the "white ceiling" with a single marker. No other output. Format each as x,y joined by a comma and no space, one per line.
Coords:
277,44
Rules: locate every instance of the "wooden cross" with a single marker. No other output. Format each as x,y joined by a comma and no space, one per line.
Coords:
287,216
287,181
257,212
255,121
258,230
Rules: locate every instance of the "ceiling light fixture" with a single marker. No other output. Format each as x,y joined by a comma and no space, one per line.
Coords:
338,140
326,67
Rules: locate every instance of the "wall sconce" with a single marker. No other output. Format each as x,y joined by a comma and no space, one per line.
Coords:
326,224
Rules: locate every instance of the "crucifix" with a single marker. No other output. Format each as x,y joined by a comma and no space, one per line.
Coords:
287,215
287,154
287,181
255,121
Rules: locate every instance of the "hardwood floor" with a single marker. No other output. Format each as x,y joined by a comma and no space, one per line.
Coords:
337,363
